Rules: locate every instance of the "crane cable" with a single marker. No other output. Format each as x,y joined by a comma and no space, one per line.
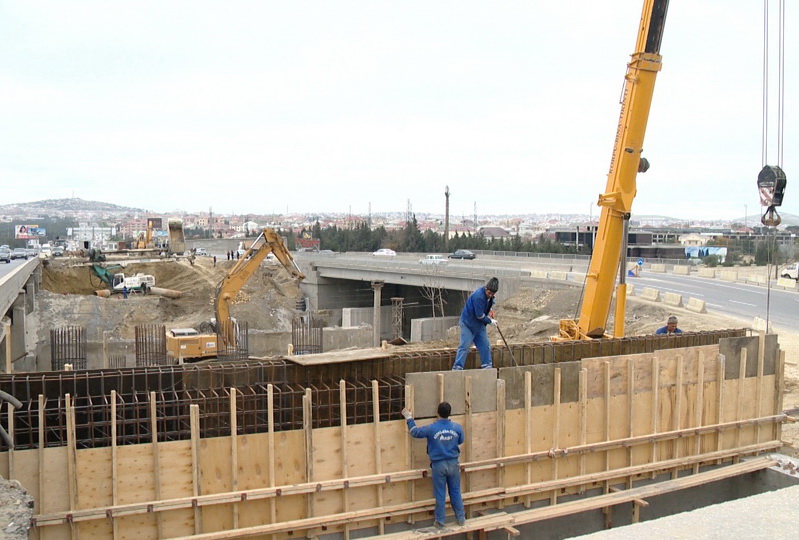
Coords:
771,249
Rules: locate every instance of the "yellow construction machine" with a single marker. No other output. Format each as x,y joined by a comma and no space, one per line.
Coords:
610,248
187,343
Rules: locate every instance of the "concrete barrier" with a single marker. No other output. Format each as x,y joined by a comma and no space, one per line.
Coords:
696,305
578,277
707,272
540,274
558,275
760,280
658,268
786,283
653,295
672,299
729,275
630,290
759,324
681,270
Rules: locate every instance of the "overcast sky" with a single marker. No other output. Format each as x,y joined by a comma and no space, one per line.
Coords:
262,106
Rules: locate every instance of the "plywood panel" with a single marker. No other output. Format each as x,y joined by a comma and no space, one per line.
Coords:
215,459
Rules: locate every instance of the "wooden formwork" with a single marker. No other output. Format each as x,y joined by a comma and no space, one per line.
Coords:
536,433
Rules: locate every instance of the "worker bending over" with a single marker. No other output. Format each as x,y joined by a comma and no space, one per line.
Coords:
476,315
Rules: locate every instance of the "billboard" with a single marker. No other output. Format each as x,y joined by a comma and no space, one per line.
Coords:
29,232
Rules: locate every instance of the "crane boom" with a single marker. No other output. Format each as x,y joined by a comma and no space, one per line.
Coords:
620,191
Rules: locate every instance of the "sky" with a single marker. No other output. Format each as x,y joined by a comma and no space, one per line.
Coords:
350,106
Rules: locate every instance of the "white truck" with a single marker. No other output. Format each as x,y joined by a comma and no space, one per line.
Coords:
139,282
790,271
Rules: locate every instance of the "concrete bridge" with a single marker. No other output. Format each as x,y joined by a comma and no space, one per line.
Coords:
18,288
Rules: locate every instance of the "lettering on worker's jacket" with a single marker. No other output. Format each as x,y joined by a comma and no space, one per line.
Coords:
445,435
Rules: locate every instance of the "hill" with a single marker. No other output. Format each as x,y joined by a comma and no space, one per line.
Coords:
57,206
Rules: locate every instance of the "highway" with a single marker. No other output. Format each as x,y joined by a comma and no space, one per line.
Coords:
8,268
738,300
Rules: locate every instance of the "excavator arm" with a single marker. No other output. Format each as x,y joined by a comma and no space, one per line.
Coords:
616,202
241,273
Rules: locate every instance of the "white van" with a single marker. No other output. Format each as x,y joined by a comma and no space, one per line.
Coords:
46,251
791,271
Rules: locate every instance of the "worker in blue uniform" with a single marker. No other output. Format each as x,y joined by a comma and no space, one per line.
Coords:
444,438
475,316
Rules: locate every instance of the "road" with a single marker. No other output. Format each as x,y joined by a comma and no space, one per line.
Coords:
8,268
739,300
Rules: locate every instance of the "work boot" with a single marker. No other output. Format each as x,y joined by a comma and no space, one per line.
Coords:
461,521
486,366
438,525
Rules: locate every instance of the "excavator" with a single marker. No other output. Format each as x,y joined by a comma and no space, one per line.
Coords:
187,343
610,248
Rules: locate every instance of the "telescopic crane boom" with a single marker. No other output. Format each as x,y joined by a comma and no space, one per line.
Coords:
611,239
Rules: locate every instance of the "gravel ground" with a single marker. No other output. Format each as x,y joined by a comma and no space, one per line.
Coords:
16,510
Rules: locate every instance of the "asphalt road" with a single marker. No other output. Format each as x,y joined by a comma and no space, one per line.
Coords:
6,268
739,300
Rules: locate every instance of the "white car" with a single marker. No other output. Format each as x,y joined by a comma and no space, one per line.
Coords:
433,259
201,252
384,253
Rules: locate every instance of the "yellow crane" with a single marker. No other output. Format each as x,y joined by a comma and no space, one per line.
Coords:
616,202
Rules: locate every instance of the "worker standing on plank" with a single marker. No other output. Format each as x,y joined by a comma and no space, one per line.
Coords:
476,315
444,438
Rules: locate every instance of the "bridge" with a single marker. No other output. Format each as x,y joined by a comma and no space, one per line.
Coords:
18,288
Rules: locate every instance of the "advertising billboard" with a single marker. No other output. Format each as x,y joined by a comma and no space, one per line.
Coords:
29,232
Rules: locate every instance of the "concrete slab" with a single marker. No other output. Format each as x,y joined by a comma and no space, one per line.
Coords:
426,394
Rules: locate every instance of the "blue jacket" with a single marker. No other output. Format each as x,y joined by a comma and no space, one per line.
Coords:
665,330
443,438
475,311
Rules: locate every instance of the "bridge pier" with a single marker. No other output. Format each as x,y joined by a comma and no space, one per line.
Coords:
377,287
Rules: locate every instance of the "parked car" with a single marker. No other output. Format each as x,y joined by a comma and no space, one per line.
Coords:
201,252
19,253
384,253
462,254
5,255
433,259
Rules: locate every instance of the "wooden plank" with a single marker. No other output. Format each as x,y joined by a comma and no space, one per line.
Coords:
740,396
234,452
677,418
338,357
270,408
468,432
655,406
555,430
722,366
378,446
528,426
344,444
630,412
779,390
114,462
409,455
699,407
307,426
159,523
42,472
761,355
501,436
583,391
72,462
196,471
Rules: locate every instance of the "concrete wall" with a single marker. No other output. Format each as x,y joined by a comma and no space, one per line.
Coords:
355,317
344,338
432,328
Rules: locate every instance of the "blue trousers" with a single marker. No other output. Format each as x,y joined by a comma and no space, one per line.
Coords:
480,339
447,474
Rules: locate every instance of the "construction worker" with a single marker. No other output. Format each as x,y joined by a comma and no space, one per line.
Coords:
670,328
444,438
124,292
475,316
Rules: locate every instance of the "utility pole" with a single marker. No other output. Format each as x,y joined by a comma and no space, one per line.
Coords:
446,218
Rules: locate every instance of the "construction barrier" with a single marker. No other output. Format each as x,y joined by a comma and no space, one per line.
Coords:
729,275
681,270
707,272
658,268
630,291
696,305
653,295
759,324
578,276
540,274
558,275
786,283
672,299
760,280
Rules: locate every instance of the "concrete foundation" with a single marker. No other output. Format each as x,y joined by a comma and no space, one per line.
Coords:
432,328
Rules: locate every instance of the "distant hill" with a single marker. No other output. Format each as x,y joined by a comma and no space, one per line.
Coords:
65,205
